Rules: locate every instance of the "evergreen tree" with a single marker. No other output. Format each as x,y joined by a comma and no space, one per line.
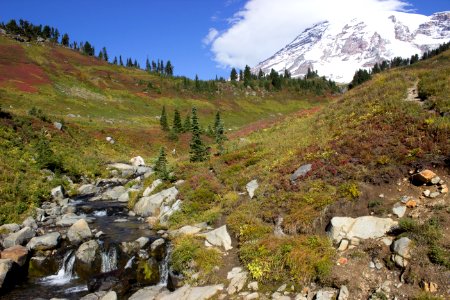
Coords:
241,75
169,68
233,75
198,151
287,74
219,133
55,35
120,60
247,75
115,60
187,124
161,168
260,74
163,120
105,54
197,83
65,40
148,67
100,55
88,49
154,66
177,126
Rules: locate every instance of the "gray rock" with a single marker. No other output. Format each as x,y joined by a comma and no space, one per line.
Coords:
157,244
363,227
79,231
251,187
402,247
87,251
30,222
44,242
237,278
253,286
152,187
137,161
57,125
88,189
147,206
254,295
343,293
143,241
94,296
58,193
5,267
343,245
301,172
399,260
125,197
434,195
426,193
399,209
193,293
110,296
70,219
435,180
185,230
114,193
11,228
19,238
167,211
325,294
219,237
150,292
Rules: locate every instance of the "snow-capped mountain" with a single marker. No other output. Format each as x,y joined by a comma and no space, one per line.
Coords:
337,49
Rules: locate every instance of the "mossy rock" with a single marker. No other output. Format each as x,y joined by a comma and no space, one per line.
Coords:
147,272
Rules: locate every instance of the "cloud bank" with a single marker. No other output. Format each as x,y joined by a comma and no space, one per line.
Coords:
263,27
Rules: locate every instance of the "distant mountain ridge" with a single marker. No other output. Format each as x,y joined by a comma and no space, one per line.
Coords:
336,49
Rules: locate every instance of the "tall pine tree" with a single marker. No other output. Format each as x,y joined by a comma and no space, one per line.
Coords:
177,126
161,168
233,75
163,120
198,151
187,124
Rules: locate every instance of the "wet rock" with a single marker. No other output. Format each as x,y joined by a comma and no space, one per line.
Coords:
10,228
87,251
130,247
79,232
6,266
147,272
423,177
44,242
343,293
152,187
18,254
158,249
399,209
30,222
70,219
363,227
19,238
137,161
147,206
219,237
119,280
251,188
301,172
57,193
237,278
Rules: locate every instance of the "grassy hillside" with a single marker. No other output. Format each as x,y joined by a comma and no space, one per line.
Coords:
369,138
41,83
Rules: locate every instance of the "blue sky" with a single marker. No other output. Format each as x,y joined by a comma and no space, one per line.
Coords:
165,29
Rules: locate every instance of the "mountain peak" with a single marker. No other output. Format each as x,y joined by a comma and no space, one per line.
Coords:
338,48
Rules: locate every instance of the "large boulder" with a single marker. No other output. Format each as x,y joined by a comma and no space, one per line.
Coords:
18,254
183,293
219,237
152,187
30,222
87,251
71,218
367,227
19,238
44,242
88,189
148,206
150,292
251,187
79,232
168,210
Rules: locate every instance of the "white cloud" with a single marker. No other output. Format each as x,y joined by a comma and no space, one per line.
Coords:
263,27
209,38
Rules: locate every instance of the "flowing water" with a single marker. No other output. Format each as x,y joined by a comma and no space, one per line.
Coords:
65,283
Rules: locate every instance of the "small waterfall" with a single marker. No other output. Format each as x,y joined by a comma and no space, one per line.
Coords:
130,263
100,213
164,267
64,274
109,260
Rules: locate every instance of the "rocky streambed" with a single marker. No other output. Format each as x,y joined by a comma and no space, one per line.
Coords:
88,243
